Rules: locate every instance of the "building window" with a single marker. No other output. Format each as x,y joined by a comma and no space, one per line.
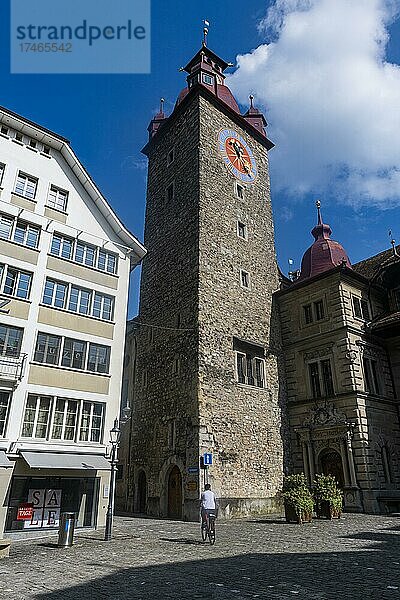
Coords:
2,169
99,358
4,130
85,254
5,398
16,283
250,364
175,366
308,315
82,253
360,308
10,340
170,156
26,186
62,246
73,354
19,231
79,300
371,380
314,312
321,380
55,293
244,279
58,418
239,191
103,306
386,463
92,418
57,198
65,417
319,310
170,192
32,143
47,349
242,230
60,295
46,150
208,79
19,137
107,261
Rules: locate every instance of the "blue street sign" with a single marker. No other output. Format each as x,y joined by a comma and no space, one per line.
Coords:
193,469
208,459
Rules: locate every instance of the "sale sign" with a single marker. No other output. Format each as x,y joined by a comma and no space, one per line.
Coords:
25,511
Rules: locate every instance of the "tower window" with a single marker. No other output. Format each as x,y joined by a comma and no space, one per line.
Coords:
208,79
239,191
250,367
170,156
170,192
242,230
32,143
18,137
244,279
46,149
4,130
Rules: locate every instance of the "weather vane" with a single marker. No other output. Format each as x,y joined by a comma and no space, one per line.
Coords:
205,31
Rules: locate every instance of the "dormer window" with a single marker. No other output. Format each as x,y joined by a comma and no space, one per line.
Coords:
208,79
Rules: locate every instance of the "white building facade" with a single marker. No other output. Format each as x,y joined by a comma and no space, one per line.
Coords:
65,261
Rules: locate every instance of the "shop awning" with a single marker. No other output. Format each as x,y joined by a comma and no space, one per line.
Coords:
50,460
4,462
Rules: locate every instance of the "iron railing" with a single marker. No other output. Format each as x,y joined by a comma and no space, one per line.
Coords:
12,367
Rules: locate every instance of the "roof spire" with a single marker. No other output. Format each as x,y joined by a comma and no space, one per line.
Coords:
393,243
318,205
162,100
205,31
251,98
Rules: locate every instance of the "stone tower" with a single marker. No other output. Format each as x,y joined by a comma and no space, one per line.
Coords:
206,366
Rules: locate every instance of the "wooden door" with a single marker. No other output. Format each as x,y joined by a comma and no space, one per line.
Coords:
175,494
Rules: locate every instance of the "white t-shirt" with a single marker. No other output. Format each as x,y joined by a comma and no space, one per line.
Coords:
208,500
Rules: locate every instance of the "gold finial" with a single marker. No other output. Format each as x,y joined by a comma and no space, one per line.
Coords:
205,31
318,204
251,97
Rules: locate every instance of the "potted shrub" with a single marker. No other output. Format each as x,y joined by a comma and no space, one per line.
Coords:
328,497
297,498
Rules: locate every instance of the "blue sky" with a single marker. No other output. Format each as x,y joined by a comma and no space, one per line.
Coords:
106,117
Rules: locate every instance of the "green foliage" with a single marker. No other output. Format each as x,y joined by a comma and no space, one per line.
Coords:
326,489
296,494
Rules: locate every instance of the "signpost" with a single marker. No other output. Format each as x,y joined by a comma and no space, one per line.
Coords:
206,460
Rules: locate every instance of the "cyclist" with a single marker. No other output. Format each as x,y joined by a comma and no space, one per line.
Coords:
208,505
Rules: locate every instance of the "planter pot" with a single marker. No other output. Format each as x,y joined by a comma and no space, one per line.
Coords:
293,517
325,510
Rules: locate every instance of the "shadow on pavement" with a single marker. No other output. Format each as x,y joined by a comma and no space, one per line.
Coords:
359,573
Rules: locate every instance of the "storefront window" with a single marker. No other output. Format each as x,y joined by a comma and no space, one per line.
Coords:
51,496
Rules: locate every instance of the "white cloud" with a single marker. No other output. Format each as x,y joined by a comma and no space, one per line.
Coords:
332,100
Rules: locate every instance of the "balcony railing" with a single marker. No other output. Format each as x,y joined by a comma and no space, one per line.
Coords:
12,368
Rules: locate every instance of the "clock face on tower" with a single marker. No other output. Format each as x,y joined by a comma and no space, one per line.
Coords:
237,155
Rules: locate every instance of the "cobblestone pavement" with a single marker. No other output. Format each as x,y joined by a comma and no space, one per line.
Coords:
357,557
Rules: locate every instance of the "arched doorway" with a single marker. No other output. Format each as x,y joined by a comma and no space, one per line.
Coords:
175,493
141,493
331,464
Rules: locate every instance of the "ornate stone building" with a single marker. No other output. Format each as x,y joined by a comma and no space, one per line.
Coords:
340,335
203,366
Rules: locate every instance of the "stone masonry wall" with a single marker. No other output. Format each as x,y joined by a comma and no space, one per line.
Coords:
241,425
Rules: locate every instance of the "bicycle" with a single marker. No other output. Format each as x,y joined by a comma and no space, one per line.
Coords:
208,528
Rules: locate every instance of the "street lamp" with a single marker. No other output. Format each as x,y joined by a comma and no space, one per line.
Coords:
115,435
